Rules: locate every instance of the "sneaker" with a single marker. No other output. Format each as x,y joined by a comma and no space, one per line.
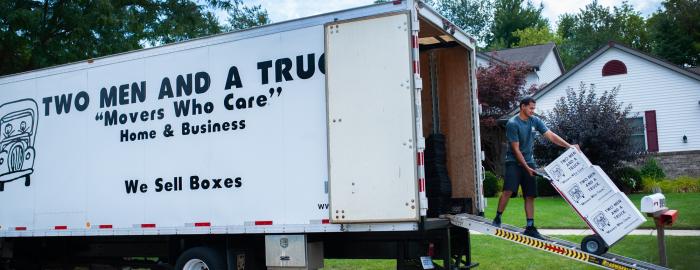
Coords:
531,231
496,222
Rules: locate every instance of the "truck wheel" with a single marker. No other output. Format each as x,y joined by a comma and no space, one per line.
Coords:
2,186
27,181
594,244
201,258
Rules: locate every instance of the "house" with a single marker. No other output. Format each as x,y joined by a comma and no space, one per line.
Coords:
665,102
543,60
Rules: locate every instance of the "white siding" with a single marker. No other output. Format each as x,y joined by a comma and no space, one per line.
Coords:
549,70
646,86
481,61
531,79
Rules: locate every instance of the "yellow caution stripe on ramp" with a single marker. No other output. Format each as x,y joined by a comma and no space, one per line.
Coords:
563,251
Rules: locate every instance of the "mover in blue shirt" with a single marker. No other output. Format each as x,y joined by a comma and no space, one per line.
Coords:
520,164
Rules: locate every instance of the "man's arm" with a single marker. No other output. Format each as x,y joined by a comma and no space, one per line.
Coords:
554,138
515,146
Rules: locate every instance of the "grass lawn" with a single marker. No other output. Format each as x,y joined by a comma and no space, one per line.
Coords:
551,212
494,253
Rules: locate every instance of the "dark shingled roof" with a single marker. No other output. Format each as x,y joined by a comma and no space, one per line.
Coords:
490,58
532,55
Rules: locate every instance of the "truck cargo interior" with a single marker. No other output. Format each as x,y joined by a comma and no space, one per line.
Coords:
447,113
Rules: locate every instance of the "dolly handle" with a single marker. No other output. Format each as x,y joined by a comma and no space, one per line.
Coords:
543,175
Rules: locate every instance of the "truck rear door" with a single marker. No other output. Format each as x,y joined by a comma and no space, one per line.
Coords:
371,133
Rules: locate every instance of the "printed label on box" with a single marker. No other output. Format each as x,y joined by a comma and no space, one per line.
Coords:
567,165
588,189
615,218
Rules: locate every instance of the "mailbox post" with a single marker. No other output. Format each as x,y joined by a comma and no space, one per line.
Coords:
655,206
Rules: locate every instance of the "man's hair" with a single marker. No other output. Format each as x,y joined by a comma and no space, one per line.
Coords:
526,101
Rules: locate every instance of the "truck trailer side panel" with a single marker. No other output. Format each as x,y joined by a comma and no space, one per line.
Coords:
209,135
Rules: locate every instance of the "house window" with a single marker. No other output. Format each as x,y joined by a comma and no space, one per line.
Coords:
614,67
638,137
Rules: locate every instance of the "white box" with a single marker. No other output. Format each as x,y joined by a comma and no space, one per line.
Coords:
588,189
615,218
567,165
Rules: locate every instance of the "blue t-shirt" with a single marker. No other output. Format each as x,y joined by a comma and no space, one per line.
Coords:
523,132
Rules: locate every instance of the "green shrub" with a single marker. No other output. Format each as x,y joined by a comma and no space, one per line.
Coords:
667,186
687,184
681,184
492,184
652,169
650,185
628,179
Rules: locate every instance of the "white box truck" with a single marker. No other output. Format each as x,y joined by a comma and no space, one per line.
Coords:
306,134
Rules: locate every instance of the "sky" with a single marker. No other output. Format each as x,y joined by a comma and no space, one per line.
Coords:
282,10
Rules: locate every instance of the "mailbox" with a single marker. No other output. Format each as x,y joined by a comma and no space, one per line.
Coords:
669,217
654,203
655,206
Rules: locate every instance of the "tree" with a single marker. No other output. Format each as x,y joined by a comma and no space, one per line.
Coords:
36,34
535,36
500,88
243,17
510,16
565,32
675,32
181,20
595,25
599,124
473,16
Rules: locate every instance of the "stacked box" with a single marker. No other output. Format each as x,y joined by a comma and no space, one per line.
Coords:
588,189
567,165
615,218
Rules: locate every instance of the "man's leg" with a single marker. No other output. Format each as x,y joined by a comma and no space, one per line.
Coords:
530,210
510,186
503,200
530,192
502,203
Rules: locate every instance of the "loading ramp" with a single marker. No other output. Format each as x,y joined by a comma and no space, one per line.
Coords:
550,244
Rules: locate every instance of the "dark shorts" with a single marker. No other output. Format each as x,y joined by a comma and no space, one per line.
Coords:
516,176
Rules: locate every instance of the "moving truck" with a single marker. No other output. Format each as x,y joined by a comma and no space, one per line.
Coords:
272,147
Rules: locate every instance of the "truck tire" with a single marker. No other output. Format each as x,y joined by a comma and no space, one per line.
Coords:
27,181
594,244
201,258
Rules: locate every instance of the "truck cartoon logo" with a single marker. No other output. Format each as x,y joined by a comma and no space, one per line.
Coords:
557,172
18,123
601,221
576,194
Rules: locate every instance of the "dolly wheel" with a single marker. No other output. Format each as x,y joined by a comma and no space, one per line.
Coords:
27,181
594,244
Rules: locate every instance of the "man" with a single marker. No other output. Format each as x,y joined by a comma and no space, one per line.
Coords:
520,164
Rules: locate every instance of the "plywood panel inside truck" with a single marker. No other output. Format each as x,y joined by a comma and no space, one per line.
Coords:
455,114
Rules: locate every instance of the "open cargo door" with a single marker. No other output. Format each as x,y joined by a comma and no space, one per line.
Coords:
371,133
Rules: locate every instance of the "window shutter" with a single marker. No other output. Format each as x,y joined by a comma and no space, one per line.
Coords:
652,134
